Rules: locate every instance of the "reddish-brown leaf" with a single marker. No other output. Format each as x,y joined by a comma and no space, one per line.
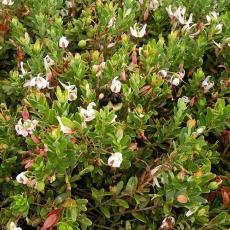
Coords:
52,219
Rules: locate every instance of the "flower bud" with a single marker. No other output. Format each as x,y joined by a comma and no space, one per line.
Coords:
82,43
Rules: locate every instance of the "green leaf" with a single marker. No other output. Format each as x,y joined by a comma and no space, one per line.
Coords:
122,203
131,185
105,211
84,220
140,216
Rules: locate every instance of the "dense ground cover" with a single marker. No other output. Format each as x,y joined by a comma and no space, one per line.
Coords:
114,114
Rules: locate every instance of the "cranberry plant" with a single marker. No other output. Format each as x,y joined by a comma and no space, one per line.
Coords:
114,114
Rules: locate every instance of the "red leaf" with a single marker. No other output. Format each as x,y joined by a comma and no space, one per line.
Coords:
52,219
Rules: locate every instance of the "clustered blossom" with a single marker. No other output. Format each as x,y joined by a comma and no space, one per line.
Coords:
115,86
207,85
115,160
99,68
72,91
25,128
173,80
136,32
37,82
13,226
88,114
179,15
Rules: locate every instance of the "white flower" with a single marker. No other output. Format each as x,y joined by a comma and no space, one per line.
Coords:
99,68
112,22
21,178
7,2
207,85
110,45
72,91
186,99
13,226
199,131
27,128
64,128
115,160
154,173
114,119
175,81
89,113
136,32
63,42
213,16
188,213
115,86
24,72
179,14
154,5
69,4
48,62
37,82
218,28
163,73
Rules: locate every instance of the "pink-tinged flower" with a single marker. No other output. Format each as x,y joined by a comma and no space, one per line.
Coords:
136,32
63,42
167,223
206,84
13,226
88,114
37,82
25,128
115,86
22,178
72,91
134,58
123,75
25,114
115,160
64,129
7,2
48,62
